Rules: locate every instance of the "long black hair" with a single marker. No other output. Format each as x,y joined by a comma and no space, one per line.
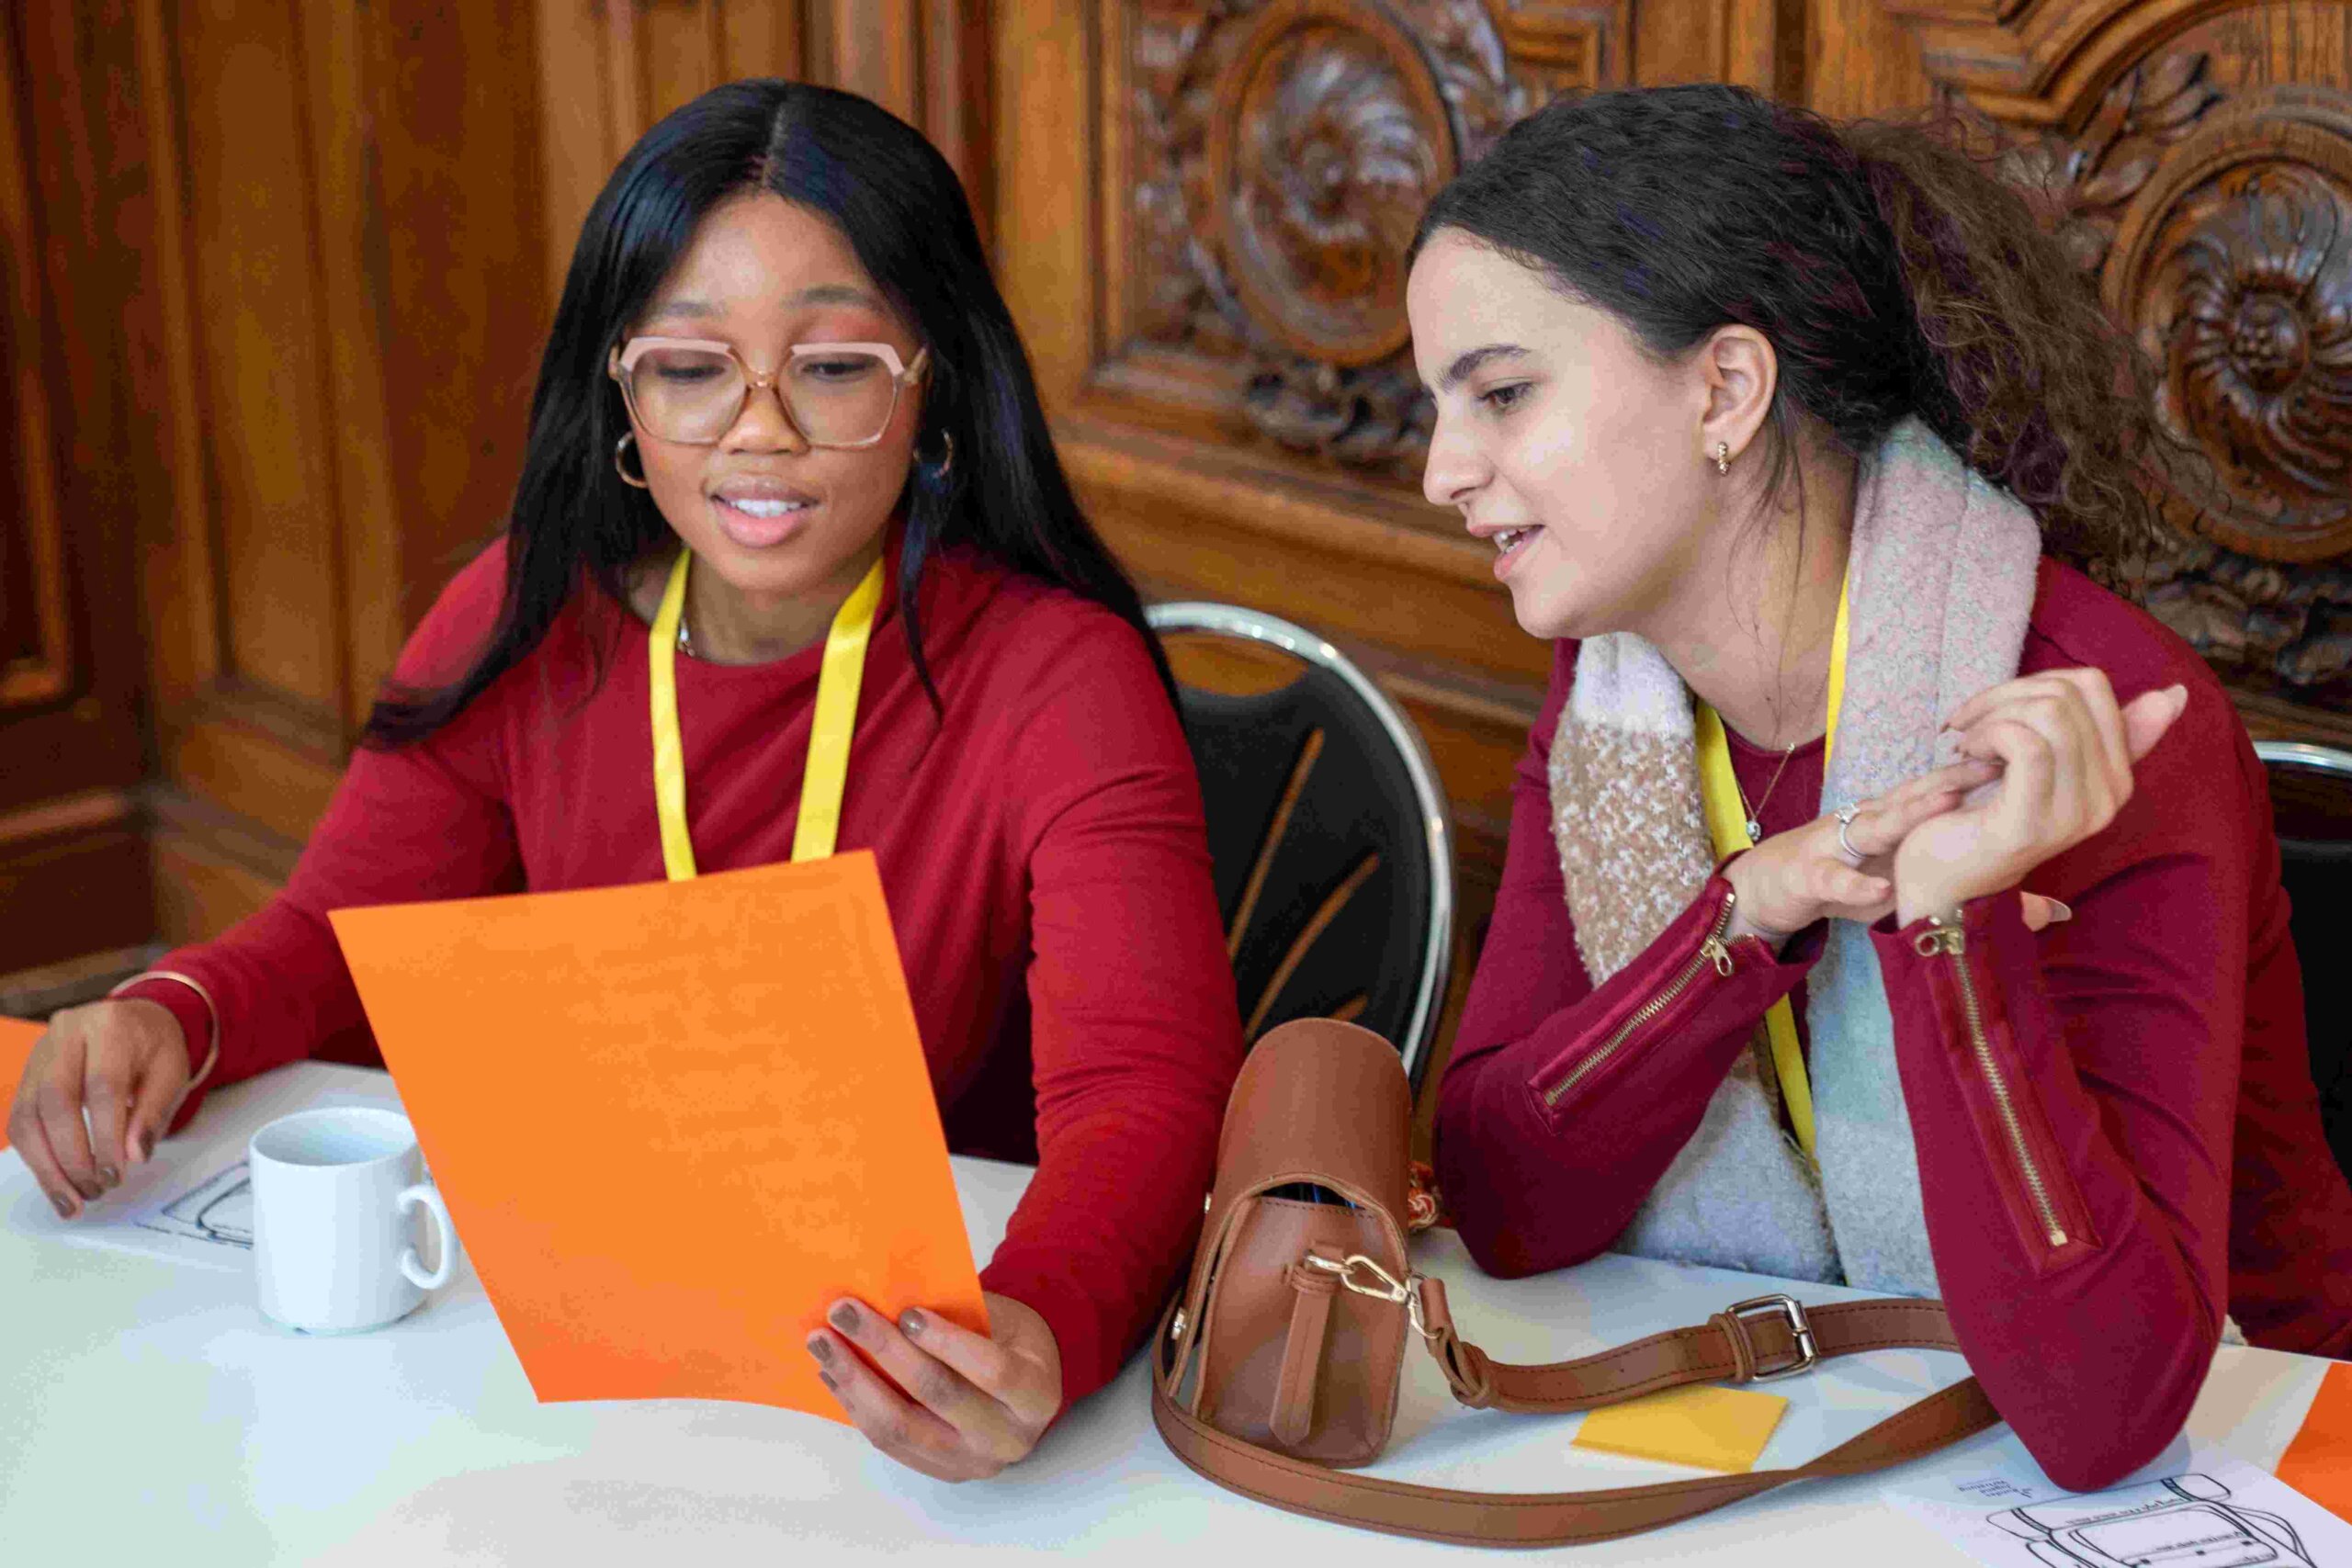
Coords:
1893,276
575,523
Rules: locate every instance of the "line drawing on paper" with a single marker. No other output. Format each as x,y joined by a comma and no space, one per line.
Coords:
220,1210
2186,1521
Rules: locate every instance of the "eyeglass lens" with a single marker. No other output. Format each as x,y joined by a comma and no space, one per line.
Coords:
835,398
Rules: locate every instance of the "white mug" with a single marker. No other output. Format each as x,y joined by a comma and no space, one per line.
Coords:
333,1191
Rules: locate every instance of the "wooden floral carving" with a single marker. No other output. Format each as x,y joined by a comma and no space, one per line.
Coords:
2093,176
1286,150
2220,231
2254,311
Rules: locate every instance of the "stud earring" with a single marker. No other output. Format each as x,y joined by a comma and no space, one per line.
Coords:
1723,457
636,480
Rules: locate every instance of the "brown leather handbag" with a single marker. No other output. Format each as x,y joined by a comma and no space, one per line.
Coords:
1292,1331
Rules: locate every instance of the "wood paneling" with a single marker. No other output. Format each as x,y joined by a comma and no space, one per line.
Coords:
1201,214
351,294
609,69
2198,159
276,278
36,660
1209,204
73,870
69,872
1860,61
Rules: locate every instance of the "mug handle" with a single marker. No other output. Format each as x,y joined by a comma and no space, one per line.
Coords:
424,1192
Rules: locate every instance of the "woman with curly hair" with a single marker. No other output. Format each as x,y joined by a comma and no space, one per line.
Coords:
1886,902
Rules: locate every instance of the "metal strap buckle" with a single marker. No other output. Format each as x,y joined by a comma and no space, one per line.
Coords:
1385,1287
1800,1328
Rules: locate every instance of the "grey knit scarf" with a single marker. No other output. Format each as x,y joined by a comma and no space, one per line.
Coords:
1941,584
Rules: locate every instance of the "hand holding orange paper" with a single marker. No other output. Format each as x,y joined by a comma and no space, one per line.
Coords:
674,1121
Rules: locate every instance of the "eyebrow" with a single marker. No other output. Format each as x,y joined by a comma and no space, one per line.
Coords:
1466,364
818,294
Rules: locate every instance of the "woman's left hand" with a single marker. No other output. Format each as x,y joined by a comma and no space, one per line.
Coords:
980,1402
2065,750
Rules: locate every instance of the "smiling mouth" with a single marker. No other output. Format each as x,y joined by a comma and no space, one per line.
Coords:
765,510
1511,539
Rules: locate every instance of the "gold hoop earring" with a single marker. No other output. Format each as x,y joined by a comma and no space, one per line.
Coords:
1723,457
636,480
947,457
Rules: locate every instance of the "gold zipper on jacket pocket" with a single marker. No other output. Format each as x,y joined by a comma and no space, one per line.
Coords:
1952,941
1711,952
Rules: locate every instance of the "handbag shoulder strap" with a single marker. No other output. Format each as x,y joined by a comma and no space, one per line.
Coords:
1753,1341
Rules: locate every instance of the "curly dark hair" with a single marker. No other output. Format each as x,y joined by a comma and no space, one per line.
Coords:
1893,274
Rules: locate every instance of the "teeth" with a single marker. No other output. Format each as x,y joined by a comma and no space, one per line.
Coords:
1508,540
751,508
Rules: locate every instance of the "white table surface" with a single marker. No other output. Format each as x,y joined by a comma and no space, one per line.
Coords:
149,1414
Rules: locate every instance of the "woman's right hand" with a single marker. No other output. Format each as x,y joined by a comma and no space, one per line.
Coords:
1793,879
124,1062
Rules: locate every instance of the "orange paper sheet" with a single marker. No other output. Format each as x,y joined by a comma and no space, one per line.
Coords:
673,1122
2318,1463
16,1037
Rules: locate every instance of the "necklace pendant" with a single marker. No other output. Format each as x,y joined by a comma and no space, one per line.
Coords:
1755,831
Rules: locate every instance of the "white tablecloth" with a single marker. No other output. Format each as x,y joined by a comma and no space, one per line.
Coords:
150,1416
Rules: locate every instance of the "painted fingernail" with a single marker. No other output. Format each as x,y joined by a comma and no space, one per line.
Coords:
110,1176
912,1320
845,1317
62,1205
827,1378
821,1346
2058,911
90,1190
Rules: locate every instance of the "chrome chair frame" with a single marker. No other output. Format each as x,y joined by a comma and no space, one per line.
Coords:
1437,818
2303,754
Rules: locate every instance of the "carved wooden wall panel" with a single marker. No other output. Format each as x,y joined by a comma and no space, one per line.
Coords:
1206,203
1201,214
1263,185
2202,158
314,248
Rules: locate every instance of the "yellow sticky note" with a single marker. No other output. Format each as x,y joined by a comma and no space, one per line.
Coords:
1712,1429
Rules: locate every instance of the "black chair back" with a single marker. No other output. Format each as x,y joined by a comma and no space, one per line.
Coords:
2311,799
1332,841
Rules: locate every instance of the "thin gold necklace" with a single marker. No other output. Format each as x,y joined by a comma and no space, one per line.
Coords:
1755,814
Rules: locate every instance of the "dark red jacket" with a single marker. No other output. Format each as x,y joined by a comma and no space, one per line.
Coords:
2144,1040
1040,845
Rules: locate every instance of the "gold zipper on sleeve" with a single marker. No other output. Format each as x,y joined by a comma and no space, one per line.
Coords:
1953,941
1711,952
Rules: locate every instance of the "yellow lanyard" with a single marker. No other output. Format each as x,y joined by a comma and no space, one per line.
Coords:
826,773
1727,826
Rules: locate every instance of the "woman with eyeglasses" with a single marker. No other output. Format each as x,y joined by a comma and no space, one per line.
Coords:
789,479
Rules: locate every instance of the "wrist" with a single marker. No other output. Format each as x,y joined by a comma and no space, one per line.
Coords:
1739,873
1942,897
164,1022
191,1009
1742,926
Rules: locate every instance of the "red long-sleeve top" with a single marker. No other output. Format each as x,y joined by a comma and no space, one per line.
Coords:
2141,1039
1040,845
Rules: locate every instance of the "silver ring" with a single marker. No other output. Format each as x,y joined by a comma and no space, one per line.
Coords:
1846,850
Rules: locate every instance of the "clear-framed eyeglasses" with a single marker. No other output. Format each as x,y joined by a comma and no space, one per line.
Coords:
691,390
